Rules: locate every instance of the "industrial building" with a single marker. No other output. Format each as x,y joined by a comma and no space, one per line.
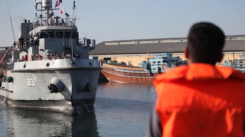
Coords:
135,51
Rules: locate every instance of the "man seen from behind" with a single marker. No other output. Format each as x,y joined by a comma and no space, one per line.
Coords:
201,99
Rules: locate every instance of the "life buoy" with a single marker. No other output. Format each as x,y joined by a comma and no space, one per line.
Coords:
9,79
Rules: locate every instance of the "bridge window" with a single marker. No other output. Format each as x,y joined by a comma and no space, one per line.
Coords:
59,34
74,35
42,34
67,34
50,34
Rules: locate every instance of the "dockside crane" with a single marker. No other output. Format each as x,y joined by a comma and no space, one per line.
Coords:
4,56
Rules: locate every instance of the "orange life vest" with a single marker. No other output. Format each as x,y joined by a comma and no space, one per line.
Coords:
26,58
201,100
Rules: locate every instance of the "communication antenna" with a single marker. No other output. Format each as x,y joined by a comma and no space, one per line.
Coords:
74,9
10,20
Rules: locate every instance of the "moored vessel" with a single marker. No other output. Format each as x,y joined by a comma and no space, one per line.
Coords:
50,68
144,74
238,64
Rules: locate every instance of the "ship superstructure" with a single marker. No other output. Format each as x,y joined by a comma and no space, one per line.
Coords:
164,59
50,68
238,64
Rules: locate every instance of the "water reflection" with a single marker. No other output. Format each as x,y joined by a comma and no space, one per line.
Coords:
3,121
121,110
139,92
27,123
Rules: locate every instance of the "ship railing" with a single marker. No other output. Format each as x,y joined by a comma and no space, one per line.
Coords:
34,25
73,45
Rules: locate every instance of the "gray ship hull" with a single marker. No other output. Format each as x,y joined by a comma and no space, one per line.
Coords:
69,89
60,106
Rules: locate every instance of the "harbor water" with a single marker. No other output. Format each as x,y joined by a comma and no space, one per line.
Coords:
121,110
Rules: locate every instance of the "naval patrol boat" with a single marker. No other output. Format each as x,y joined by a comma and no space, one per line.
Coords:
53,71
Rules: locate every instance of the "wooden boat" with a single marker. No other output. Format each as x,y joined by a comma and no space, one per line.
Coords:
144,74
121,74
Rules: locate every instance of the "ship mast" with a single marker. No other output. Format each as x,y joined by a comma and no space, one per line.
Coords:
74,8
46,5
10,20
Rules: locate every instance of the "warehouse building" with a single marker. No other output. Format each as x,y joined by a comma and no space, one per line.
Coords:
135,51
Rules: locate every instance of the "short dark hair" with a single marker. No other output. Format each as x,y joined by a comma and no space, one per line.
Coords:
205,43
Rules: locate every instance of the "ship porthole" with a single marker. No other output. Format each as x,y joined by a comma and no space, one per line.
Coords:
47,65
24,66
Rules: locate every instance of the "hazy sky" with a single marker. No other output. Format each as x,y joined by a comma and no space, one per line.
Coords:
106,20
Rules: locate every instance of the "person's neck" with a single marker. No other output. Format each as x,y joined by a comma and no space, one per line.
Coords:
190,62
